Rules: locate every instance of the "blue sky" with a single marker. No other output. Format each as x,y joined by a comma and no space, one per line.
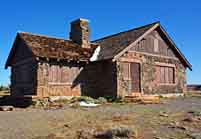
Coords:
181,19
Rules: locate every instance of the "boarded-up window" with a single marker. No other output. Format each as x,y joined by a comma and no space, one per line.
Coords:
165,75
125,70
62,74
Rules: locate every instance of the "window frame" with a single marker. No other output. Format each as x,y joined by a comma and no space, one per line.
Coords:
166,68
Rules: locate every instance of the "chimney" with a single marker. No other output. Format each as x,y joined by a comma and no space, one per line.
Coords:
80,32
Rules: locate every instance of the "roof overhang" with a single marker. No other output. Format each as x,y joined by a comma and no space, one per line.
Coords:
157,25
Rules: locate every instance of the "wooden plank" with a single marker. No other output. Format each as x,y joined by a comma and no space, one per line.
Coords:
162,75
166,74
124,70
135,77
134,43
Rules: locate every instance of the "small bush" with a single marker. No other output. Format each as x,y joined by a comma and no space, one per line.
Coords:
40,103
110,98
102,100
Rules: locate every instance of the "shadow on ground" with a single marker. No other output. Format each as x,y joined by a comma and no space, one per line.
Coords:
21,102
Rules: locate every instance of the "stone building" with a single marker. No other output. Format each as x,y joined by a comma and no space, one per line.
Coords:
143,60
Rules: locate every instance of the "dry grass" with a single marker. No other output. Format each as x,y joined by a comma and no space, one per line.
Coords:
145,121
4,93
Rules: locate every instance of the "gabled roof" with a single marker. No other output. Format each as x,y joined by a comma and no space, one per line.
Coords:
113,46
50,47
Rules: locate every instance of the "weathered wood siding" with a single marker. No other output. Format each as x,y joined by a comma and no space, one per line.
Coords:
22,53
67,79
154,44
23,72
58,79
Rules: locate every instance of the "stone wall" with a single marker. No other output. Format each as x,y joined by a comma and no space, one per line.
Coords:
80,32
99,79
94,79
148,74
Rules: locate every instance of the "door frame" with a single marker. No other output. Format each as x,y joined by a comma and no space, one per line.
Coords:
132,60
140,88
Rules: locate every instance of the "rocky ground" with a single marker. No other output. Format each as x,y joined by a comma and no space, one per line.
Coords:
173,119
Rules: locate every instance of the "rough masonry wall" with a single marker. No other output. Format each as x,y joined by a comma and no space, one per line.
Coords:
99,79
148,74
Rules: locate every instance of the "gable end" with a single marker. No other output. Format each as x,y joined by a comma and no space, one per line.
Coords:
164,34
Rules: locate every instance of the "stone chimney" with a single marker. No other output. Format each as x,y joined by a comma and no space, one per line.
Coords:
80,32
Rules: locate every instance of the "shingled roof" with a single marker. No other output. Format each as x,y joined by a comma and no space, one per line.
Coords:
114,45
53,48
110,46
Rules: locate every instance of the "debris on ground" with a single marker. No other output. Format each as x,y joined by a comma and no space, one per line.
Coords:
163,114
41,102
51,136
195,135
120,117
189,119
85,134
59,98
112,133
117,133
88,104
85,101
177,125
6,108
89,123
195,113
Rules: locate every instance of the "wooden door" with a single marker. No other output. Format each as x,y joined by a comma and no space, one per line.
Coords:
135,77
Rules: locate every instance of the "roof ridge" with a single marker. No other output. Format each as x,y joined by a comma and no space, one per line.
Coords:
116,34
41,35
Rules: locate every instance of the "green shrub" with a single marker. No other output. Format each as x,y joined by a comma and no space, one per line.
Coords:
102,100
114,99
110,98
119,100
40,103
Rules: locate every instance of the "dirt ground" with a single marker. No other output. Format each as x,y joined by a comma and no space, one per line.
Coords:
174,119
